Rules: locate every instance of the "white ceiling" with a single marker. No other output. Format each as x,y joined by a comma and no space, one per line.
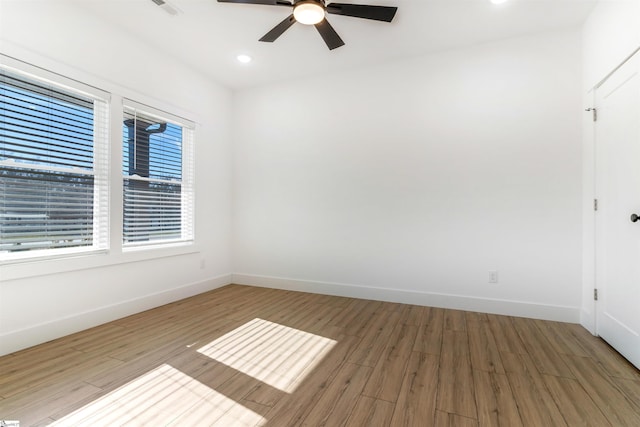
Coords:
208,35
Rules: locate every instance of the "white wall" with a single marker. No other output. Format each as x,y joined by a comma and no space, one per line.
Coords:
610,35
53,302
410,181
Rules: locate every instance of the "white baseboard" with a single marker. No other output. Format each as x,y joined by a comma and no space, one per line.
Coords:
588,321
38,334
458,302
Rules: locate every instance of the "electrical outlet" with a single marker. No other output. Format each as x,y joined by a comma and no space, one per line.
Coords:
202,263
493,276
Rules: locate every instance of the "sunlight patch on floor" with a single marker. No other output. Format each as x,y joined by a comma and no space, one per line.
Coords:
277,355
164,396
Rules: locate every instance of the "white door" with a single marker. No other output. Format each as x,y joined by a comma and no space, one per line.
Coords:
618,191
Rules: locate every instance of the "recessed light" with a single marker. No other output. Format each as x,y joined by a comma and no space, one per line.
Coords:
498,1
245,59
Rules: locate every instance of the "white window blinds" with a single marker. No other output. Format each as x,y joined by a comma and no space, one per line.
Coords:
157,167
53,168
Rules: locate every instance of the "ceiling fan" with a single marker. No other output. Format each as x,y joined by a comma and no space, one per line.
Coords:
312,12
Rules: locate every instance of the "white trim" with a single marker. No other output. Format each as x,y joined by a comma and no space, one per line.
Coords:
187,210
624,61
51,77
587,313
20,339
34,267
430,299
156,113
101,159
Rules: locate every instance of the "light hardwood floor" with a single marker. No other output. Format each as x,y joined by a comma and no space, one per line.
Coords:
242,355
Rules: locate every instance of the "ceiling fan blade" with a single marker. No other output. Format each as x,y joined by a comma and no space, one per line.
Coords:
277,31
329,35
378,13
265,2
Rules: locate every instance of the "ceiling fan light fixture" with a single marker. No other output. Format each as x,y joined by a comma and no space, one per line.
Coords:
308,12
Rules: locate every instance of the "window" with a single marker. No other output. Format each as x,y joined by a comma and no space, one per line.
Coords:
58,175
157,178
53,168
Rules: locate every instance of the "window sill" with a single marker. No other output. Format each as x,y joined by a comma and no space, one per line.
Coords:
43,266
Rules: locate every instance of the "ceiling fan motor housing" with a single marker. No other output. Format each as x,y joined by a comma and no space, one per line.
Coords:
321,2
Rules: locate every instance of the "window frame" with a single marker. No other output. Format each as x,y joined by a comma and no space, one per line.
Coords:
187,208
100,160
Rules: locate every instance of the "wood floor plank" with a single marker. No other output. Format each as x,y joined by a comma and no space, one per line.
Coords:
455,386
415,315
214,408
531,405
35,369
263,395
615,405
483,348
111,378
44,422
106,332
559,338
349,313
276,311
68,369
578,409
429,339
373,343
393,307
223,396
608,358
29,411
360,325
386,377
130,337
322,316
536,406
207,371
416,402
494,399
455,320
338,401
169,338
56,386
337,301
370,412
540,349
630,388
292,409
505,335
327,299
444,419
